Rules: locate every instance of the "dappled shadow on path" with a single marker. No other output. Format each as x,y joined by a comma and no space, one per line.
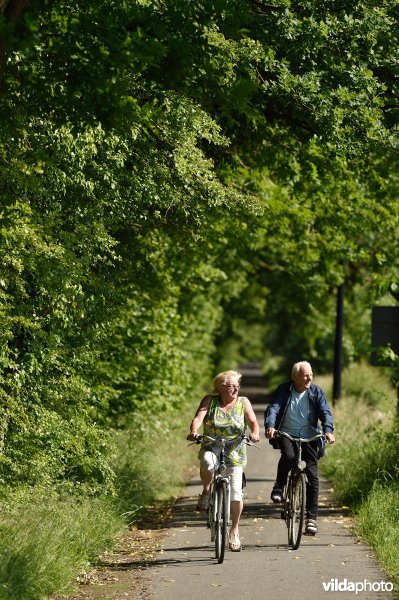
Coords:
186,515
196,482
188,554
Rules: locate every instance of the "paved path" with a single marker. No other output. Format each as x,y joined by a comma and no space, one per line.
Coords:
185,568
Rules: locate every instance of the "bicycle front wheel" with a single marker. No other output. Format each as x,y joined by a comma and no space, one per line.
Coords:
287,510
221,521
297,509
212,512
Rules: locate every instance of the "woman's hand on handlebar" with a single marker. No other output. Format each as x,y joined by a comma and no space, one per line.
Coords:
192,437
254,437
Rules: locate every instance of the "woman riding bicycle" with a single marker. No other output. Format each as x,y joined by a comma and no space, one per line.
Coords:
225,415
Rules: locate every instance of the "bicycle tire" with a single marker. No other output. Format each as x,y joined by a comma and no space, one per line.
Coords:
297,509
287,510
212,513
221,521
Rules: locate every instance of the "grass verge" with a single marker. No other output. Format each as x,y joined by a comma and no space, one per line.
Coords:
364,463
47,539
378,519
152,467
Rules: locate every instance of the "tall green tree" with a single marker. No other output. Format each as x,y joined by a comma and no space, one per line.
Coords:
174,174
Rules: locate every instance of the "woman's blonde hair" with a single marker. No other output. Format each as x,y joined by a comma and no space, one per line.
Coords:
221,378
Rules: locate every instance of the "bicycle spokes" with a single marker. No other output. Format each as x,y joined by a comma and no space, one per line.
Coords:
297,509
221,520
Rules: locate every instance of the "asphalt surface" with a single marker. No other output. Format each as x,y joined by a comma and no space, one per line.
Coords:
186,569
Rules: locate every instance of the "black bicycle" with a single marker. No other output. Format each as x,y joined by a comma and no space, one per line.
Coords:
294,496
219,505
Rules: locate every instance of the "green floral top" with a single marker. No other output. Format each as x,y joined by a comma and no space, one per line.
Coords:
230,425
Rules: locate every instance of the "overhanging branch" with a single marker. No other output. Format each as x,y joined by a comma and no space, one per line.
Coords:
12,10
265,5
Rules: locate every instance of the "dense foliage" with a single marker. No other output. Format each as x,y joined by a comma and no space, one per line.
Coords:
180,182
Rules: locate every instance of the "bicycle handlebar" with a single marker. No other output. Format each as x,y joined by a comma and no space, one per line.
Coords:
299,439
249,442
201,437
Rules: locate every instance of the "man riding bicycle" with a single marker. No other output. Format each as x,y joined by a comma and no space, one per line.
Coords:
296,408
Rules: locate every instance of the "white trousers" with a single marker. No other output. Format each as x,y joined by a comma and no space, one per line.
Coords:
210,462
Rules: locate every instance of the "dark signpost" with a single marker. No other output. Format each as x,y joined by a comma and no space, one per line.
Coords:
338,344
384,332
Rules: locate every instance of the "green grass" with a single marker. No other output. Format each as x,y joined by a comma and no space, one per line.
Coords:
378,519
153,466
47,539
363,465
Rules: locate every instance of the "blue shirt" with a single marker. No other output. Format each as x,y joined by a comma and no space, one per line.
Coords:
297,418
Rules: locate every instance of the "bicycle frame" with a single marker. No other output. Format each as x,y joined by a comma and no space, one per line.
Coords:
219,507
219,477
300,464
294,494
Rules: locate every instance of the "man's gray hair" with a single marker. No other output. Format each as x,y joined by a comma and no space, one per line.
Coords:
297,367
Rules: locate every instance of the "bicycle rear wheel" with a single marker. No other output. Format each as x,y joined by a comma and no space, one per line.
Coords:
221,521
297,509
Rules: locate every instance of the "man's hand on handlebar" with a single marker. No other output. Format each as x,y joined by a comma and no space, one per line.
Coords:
269,433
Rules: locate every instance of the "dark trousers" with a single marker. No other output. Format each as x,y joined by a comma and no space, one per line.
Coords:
287,460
